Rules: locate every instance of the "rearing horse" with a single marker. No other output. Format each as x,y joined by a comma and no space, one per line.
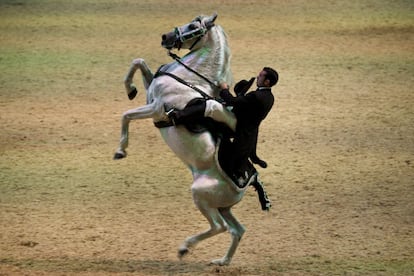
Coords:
174,85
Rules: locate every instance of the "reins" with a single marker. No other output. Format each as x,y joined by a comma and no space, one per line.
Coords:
178,59
180,80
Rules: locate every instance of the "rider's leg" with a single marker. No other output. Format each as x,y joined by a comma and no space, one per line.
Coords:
220,113
209,108
253,155
189,114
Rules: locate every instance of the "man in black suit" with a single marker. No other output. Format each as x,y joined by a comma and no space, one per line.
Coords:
250,109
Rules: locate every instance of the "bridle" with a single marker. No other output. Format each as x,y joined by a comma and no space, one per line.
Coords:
180,38
198,33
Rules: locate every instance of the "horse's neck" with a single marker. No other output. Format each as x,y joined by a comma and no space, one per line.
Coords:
213,59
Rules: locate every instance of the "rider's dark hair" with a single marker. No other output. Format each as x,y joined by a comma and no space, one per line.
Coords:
271,75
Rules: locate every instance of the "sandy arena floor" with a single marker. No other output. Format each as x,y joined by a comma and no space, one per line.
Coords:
339,140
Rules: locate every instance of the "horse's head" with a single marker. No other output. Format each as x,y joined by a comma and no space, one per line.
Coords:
187,36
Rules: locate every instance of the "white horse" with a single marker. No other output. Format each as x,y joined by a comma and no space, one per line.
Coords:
195,75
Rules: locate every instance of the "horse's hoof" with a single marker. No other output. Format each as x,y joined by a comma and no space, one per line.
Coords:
221,262
182,252
119,155
132,93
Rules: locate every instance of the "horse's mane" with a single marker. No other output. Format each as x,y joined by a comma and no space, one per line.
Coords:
224,58
221,60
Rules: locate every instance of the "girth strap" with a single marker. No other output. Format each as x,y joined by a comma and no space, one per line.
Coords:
162,124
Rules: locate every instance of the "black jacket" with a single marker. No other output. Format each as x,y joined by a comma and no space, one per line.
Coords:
249,110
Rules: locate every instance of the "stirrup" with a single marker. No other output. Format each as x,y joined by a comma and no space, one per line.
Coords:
169,113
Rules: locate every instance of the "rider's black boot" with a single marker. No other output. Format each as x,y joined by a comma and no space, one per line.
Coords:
189,114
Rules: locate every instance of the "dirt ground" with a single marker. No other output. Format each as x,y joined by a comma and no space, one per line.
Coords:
339,140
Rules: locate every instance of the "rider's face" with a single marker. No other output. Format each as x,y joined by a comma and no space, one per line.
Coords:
261,79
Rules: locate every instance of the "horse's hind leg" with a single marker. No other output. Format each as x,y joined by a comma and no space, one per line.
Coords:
217,226
215,219
236,231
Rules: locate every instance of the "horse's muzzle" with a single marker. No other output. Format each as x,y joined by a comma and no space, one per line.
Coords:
169,40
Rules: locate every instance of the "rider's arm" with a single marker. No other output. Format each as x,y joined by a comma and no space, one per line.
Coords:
231,100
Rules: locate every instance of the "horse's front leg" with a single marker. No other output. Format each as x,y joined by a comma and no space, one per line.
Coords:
142,112
146,73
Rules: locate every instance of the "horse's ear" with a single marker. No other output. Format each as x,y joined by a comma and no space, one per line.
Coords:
210,21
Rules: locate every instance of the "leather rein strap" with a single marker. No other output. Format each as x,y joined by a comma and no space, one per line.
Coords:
180,80
178,59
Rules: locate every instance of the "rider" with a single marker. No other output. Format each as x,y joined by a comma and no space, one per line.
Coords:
250,109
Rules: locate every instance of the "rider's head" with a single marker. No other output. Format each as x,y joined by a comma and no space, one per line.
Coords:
267,77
